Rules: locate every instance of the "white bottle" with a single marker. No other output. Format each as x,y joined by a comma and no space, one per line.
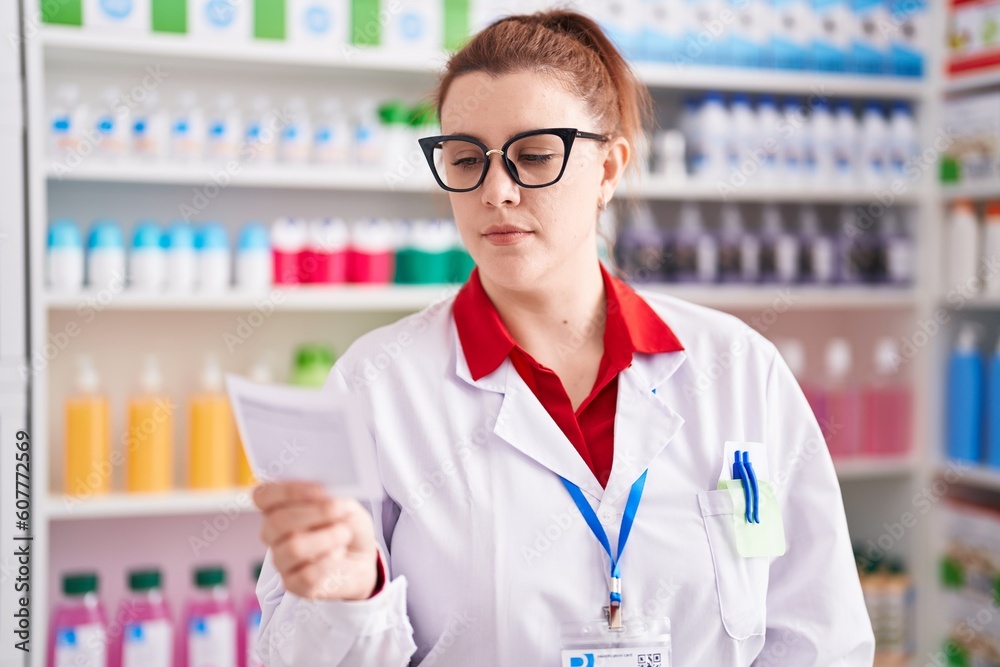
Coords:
147,262
119,16
263,131
845,146
991,246
416,27
319,25
817,250
898,248
332,137
181,258
105,256
819,158
215,20
64,261
254,265
368,140
963,247
187,129
150,129
113,125
697,252
296,136
67,122
779,250
792,161
743,135
767,140
225,129
214,263
904,143
739,252
689,126
874,146
714,128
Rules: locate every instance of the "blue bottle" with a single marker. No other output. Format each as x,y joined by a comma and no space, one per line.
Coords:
965,399
993,412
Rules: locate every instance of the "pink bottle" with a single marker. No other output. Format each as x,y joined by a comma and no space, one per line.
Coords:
144,630
250,628
794,354
843,402
210,637
288,243
78,635
371,257
886,426
325,259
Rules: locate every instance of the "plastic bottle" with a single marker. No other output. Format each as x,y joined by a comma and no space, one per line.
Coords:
113,125
739,252
368,140
849,270
325,257
288,243
150,129
832,38
145,624
963,246
765,144
297,135
904,142
210,622
713,128
779,250
147,262
820,165
965,398
793,144
214,263
991,247
187,129
394,116
817,251
332,138
843,401
88,435
371,253
181,259
210,440
423,255
993,411
845,145
105,256
898,248
149,440
696,251
311,365
67,121
262,131
886,406
251,625
78,634
641,246
253,258
64,260
689,126
794,353
225,128
743,131
874,145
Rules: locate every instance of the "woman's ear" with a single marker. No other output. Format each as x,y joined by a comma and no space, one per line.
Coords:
616,159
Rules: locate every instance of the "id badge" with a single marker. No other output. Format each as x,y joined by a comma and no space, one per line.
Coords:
640,643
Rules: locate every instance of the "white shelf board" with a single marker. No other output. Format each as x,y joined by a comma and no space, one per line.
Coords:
972,191
120,505
976,80
977,477
874,468
81,47
658,187
377,298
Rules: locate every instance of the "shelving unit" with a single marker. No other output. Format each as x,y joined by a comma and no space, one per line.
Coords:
307,310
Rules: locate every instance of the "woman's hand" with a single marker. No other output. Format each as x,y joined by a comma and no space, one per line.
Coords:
323,547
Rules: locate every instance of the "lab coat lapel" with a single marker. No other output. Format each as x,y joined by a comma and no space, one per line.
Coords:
644,423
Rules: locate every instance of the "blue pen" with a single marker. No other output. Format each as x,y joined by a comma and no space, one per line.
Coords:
755,490
740,473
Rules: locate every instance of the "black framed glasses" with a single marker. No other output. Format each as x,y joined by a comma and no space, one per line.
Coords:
534,159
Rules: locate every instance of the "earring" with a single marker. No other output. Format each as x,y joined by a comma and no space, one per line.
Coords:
601,204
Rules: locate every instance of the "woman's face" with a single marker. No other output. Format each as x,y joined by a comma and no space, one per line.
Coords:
555,224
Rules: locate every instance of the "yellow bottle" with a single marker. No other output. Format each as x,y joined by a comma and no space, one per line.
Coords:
149,452
210,441
260,373
88,440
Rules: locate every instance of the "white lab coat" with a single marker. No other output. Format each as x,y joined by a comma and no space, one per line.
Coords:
488,555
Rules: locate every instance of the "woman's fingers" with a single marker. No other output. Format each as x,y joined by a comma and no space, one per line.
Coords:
289,519
271,495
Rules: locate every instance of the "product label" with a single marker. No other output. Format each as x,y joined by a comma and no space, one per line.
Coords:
80,645
212,641
148,644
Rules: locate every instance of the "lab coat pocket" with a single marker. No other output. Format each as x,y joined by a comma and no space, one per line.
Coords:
741,581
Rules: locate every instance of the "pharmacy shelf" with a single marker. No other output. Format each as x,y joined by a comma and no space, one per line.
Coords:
973,81
981,303
400,298
292,177
874,468
975,477
74,45
121,505
973,191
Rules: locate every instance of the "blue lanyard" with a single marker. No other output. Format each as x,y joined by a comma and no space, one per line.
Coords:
634,496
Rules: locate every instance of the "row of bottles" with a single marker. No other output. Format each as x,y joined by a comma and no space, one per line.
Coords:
890,596
867,249
182,257
795,143
872,418
259,131
973,251
143,632
215,458
973,400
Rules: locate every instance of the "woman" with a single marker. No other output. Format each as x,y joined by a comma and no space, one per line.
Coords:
548,404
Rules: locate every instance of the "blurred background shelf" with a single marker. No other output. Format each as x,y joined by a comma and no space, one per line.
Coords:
976,477
118,505
875,468
975,191
962,83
